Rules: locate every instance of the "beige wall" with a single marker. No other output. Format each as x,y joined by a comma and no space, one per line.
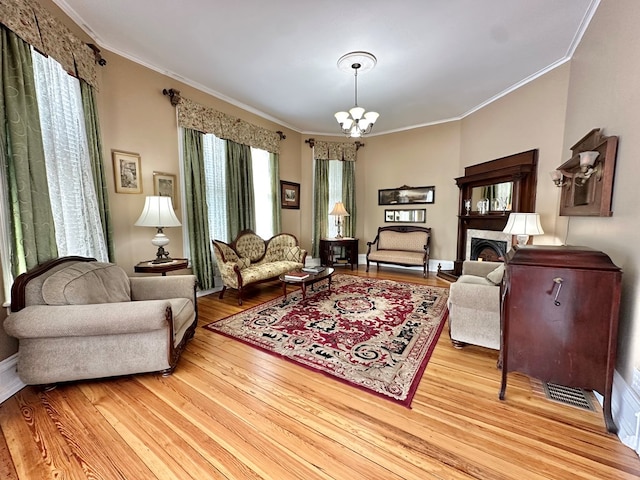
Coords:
604,93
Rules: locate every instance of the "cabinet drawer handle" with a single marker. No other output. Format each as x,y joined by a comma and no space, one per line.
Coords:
558,281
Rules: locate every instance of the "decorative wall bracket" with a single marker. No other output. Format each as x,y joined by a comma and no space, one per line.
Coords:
586,178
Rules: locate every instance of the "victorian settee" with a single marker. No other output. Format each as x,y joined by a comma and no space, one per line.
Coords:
401,245
250,259
474,305
76,318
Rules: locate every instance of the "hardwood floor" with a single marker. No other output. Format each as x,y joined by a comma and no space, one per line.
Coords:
231,411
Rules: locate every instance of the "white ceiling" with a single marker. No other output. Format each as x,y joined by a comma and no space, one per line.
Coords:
438,60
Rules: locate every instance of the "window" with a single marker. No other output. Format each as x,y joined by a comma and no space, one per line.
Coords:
335,192
214,150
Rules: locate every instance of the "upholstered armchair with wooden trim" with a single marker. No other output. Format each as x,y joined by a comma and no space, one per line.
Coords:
76,318
474,305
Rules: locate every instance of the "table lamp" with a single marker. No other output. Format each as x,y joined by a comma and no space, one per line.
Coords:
158,213
339,212
522,225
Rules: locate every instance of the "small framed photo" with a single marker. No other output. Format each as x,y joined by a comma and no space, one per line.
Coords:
290,194
127,172
164,185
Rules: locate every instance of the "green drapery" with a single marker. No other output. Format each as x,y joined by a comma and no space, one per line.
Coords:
197,212
349,197
241,213
320,204
33,232
274,161
94,141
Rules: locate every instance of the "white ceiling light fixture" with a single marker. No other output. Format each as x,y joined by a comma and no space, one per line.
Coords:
356,122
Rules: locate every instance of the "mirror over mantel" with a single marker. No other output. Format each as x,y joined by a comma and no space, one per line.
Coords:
519,172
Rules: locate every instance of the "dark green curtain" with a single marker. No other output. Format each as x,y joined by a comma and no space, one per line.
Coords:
320,204
94,140
274,161
33,232
241,212
196,208
349,197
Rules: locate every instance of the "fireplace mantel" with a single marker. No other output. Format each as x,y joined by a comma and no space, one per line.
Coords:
521,169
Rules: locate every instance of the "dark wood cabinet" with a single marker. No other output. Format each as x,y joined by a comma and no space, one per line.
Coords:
336,251
559,318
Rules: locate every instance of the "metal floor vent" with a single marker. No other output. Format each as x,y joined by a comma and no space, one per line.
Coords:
575,397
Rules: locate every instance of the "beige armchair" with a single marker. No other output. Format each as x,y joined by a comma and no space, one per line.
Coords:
474,305
76,318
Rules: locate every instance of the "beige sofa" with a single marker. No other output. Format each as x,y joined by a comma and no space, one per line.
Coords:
76,318
251,259
474,305
401,245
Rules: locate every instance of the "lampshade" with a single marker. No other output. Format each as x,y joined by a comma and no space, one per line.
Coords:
339,210
522,225
158,212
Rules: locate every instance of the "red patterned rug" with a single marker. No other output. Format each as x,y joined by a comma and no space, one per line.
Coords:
374,334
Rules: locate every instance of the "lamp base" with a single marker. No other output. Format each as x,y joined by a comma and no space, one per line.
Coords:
522,240
162,256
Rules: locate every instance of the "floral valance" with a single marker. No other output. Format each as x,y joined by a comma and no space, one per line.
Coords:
36,26
334,151
206,119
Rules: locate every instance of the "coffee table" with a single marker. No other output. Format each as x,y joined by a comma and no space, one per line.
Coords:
310,280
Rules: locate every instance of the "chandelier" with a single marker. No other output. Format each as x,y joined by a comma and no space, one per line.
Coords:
356,122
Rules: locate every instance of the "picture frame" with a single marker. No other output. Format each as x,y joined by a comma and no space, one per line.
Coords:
406,195
290,195
164,185
127,172
412,215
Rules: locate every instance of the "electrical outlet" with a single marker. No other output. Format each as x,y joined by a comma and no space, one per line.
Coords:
636,380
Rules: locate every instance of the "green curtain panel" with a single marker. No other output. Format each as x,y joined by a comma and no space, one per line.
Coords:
274,160
197,212
94,140
241,210
33,231
320,204
349,197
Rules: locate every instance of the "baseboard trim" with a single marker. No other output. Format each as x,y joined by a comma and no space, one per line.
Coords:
10,383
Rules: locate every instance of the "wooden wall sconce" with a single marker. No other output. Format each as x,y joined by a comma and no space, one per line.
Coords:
587,178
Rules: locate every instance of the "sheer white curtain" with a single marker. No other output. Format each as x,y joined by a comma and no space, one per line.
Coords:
335,193
262,193
215,152
71,188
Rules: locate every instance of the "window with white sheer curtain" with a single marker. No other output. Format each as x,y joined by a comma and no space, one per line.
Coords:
214,150
71,188
335,192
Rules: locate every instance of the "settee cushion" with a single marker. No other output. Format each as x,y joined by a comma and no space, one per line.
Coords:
86,283
496,275
407,241
474,280
251,246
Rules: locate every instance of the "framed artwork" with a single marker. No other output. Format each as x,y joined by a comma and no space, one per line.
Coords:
164,185
406,195
290,194
415,215
127,172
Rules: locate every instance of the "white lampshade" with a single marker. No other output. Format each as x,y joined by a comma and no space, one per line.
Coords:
339,210
158,212
522,225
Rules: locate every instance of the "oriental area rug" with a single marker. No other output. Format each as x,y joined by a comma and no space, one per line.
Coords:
377,335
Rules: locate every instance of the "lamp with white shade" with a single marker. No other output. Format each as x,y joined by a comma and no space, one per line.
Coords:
158,213
339,212
522,225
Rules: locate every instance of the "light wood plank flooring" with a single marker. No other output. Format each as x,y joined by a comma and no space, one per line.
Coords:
231,411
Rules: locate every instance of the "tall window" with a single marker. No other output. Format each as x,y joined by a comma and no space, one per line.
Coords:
214,150
335,192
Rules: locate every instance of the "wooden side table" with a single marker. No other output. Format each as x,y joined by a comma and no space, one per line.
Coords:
327,253
163,268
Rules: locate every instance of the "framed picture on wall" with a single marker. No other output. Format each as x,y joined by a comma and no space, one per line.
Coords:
164,185
406,195
127,172
290,194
